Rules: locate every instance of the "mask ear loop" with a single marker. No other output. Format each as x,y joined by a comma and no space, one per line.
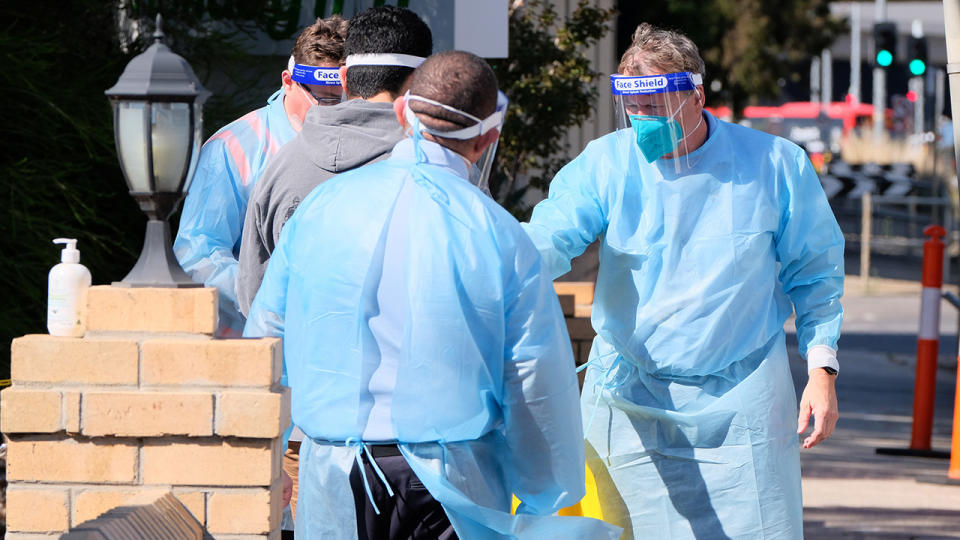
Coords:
685,136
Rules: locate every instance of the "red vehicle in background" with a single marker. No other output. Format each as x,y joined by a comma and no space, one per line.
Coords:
819,128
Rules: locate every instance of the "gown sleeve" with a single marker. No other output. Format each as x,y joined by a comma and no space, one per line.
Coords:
541,404
809,248
570,218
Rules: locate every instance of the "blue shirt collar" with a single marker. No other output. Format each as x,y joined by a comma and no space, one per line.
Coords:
436,154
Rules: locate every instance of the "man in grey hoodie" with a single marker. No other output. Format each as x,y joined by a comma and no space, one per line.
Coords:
383,47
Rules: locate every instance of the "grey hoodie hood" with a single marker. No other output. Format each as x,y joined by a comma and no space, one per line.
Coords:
350,134
333,140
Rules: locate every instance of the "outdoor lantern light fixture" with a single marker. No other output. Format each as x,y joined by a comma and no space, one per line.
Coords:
157,122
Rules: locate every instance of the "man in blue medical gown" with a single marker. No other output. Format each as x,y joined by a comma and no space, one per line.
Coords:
232,160
711,235
427,354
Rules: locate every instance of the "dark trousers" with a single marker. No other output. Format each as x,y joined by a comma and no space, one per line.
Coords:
412,513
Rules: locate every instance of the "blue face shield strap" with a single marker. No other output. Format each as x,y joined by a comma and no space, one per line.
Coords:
315,75
624,85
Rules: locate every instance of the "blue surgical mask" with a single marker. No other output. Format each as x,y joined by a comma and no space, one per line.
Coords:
656,135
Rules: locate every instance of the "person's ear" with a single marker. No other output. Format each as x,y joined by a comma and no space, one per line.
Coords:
286,80
482,142
343,80
398,106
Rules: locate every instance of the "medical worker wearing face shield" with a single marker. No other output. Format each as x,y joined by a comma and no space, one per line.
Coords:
383,46
711,235
232,160
427,354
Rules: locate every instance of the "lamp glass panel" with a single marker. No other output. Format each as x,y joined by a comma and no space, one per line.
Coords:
197,137
171,144
131,142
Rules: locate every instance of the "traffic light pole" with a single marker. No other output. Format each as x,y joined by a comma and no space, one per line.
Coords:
880,83
951,22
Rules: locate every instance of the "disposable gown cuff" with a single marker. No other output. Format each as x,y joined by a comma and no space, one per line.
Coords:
820,356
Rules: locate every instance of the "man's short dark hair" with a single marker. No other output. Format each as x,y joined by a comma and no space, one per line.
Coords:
385,29
458,79
321,42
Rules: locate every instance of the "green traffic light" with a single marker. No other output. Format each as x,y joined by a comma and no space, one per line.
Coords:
884,58
917,67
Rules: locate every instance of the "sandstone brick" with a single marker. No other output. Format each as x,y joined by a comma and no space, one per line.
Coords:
71,412
209,463
261,415
48,359
195,501
251,511
147,414
91,503
152,309
227,362
581,290
36,536
37,510
30,411
69,460
275,535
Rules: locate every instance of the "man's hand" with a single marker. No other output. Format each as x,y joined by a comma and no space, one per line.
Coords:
819,399
287,488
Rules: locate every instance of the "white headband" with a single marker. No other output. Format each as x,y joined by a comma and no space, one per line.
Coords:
290,64
385,59
495,120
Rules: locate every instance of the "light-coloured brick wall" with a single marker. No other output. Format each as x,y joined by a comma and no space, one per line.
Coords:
145,404
147,414
124,309
37,510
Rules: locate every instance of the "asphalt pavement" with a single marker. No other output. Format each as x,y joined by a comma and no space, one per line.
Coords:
849,490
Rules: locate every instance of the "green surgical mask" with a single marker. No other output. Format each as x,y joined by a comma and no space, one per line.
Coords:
656,135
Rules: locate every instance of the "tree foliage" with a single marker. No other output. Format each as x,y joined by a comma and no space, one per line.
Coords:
551,86
58,166
749,46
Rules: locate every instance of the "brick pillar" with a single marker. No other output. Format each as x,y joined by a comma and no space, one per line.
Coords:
144,404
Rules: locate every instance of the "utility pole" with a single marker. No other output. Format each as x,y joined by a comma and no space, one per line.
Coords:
855,55
815,79
917,85
951,22
880,82
826,81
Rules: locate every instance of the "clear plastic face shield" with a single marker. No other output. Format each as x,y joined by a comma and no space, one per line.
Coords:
321,84
479,171
661,111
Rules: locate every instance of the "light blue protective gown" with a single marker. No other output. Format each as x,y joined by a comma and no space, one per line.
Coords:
414,309
688,403
230,163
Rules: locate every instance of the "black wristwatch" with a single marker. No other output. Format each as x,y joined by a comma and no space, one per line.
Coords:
829,370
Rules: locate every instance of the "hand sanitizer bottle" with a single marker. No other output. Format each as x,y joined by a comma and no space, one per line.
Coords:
67,293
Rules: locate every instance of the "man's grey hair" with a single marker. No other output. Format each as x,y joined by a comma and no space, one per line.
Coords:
458,79
654,49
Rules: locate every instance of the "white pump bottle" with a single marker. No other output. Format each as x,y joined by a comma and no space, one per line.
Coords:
67,293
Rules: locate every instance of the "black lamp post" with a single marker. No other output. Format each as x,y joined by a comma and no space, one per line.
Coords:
157,123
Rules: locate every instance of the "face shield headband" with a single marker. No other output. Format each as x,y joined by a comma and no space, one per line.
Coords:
322,76
384,59
480,171
650,105
317,76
